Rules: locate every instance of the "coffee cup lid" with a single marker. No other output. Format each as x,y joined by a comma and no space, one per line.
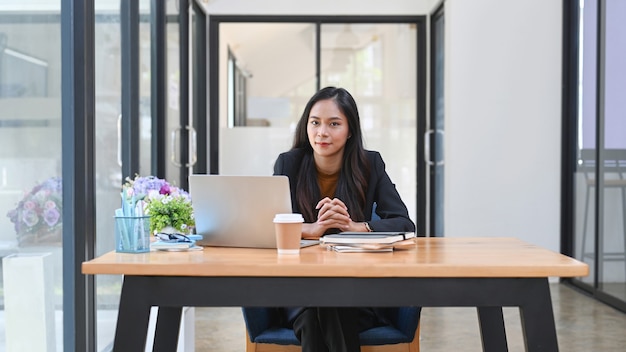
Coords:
288,218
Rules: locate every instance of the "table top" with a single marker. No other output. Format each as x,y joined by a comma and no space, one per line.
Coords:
431,257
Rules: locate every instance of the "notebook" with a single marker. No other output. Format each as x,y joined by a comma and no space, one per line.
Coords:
237,211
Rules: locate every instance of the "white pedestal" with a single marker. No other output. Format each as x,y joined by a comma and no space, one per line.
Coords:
29,302
186,335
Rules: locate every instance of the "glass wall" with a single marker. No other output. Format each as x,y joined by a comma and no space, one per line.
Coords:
108,122
586,140
600,178
30,179
277,65
108,81
172,149
30,162
376,64
612,256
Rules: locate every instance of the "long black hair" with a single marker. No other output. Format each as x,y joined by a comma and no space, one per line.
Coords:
352,184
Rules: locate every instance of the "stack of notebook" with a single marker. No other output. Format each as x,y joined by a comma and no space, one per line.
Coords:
175,242
368,241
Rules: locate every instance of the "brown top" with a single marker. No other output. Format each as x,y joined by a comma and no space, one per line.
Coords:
431,257
327,183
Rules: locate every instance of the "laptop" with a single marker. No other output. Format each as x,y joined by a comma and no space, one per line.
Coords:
238,211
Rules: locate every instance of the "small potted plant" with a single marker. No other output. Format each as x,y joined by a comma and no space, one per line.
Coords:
169,207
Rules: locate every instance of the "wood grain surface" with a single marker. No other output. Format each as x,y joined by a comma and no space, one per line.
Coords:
430,257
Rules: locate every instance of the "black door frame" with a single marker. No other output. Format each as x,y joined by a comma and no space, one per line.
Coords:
434,163
418,21
78,171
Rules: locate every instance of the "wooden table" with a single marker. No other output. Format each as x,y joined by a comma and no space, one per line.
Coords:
487,273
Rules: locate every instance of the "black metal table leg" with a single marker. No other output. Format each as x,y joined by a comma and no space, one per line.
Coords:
538,320
132,319
167,329
492,330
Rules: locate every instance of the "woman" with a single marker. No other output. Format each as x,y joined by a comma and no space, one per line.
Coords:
335,184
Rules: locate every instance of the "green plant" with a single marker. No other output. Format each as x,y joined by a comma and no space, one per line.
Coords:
167,205
174,211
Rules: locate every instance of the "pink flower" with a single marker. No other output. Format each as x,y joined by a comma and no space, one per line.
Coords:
30,218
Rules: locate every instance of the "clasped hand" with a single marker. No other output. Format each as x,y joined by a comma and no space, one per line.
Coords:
332,213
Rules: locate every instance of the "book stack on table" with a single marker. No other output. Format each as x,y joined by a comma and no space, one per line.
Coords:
187,243
355,242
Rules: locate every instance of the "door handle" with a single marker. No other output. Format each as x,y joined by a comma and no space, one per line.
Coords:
427,158
119,140
427,147
194,146
173,135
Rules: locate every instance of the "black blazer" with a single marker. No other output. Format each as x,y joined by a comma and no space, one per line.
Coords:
392,212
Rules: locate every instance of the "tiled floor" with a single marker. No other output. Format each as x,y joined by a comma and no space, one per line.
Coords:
583,325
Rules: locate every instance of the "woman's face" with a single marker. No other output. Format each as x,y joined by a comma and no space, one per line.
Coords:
327,129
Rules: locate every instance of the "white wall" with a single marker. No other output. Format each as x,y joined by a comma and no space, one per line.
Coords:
503,119
503,96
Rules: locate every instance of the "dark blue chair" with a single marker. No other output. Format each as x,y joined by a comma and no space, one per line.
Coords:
265,334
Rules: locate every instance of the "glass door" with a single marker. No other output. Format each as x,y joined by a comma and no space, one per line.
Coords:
173,119
108,164
612,197
376,63
585,210
112,138
268,70
186,91
599,184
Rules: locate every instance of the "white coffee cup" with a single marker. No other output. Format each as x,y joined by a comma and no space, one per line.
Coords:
288,233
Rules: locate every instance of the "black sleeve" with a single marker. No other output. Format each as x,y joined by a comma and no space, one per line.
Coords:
279,165
286,164
392,211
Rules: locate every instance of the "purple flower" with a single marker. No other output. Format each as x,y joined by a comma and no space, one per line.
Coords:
40,209
143,185
51,216
149,189
165,189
